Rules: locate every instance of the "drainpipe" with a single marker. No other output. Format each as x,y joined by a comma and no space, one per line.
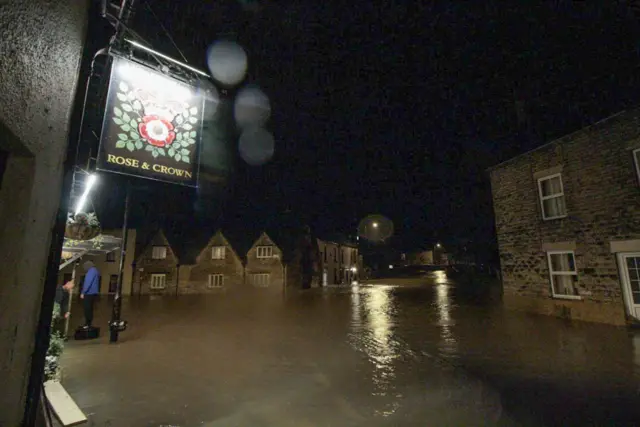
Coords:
284,279
177,278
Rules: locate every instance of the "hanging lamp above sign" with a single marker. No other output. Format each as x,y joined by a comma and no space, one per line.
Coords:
152,125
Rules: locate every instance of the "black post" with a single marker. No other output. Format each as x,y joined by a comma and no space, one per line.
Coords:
115,324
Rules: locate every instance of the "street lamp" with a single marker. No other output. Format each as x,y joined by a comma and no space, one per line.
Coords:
91,180
438,245
375,225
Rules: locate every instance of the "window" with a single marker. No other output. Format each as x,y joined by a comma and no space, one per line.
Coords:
159,252
216,280
552,197
265,251
260,279
218,252
113,283
563,274
158,281
111,257
636,160
324,254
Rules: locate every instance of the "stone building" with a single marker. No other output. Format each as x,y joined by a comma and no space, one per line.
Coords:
156,268
329,256
568,224
108,265
340,261
264,267
216,267
42,45
420,258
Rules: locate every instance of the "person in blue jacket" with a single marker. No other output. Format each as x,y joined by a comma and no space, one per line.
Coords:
89,291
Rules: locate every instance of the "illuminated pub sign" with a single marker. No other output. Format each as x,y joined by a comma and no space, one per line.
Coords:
152,125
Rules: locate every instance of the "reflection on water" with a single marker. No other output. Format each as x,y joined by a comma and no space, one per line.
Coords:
443,304
374,337
426,352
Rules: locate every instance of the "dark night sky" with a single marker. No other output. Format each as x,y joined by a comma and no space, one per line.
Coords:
398,108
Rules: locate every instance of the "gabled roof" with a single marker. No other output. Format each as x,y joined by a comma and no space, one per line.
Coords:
565,138
217,235
148,239
191,244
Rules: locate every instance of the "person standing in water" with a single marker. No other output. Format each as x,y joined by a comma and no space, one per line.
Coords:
89,291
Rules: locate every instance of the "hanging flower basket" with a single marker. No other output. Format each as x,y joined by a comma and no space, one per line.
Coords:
82,227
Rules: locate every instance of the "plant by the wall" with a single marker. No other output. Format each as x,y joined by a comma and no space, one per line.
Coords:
56,345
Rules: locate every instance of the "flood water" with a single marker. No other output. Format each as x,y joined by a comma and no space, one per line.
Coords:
425,352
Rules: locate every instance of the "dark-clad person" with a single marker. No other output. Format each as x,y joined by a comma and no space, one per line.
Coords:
89,291
63,294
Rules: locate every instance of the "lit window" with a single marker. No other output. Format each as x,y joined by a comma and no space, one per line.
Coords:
216,280
260,279
552,197
264,251
563,274
158,281
636,160
159,252
218,252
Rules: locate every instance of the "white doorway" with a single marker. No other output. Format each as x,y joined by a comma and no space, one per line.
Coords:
630,266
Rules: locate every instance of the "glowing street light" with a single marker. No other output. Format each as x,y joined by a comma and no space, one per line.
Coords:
91,180
438,245
375,225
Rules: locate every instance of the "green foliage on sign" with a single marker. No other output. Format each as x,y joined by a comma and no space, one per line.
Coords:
153,128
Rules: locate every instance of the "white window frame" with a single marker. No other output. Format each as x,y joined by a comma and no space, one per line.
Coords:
218,252
263,252
562,273
157,254
158,281
555,196
264,282
636,161
215,281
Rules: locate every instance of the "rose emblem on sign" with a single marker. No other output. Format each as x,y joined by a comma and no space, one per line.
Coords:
161,126
157,131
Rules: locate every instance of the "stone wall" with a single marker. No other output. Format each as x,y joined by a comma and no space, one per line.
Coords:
195,278
146,266
41,44
272,265
603,205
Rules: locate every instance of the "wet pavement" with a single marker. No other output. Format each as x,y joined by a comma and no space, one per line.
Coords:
425,352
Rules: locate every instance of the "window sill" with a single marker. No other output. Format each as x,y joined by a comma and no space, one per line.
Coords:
551,218
568,297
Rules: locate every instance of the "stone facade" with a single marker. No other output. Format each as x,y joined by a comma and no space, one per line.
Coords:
602,198
420,258
338,262
217,258
42,44
265,258
147,268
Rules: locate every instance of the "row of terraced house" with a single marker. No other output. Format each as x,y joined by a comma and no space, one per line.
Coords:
154,266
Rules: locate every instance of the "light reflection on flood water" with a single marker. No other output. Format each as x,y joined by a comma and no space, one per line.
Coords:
425,352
